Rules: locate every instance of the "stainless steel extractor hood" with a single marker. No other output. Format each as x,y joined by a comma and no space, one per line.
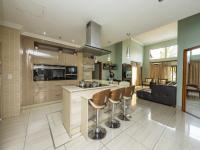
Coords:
93,41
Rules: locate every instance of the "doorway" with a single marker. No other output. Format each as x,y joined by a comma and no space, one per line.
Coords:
0,77
97,73
191,81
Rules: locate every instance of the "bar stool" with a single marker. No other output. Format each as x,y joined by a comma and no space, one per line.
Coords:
114,99
98,101
129,91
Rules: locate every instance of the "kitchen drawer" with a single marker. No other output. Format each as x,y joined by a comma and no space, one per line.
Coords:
56,96
41,97
41,89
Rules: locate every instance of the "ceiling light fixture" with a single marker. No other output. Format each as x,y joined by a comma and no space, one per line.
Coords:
44,33
128,51
109,55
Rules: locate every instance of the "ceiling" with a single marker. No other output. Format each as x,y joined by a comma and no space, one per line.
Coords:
159,34
68,18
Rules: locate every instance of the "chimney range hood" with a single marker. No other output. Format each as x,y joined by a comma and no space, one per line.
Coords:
93,41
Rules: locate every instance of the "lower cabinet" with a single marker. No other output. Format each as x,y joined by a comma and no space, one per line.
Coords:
47,91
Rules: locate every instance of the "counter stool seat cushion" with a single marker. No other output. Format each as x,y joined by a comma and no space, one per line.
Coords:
96,106
98,102
114,102
126,98
114,99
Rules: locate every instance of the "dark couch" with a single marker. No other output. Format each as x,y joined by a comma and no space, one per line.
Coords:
159,93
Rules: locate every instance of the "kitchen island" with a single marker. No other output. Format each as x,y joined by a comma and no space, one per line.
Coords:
72,105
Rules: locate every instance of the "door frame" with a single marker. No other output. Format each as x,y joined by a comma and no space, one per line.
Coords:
184,92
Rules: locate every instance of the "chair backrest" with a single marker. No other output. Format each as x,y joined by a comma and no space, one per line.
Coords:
101,97
124,83
162,81
129,91
117,94
148,80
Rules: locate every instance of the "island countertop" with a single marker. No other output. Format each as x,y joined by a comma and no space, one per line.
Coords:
74,88
72,99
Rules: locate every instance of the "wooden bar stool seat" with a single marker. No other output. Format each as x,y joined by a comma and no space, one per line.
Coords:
127,96
114,99
98,102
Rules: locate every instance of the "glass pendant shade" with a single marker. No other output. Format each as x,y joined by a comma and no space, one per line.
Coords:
109,59
128,55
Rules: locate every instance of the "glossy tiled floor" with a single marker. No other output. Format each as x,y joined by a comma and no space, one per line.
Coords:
193,105
153,126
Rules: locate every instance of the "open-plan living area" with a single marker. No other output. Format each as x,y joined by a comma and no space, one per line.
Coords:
99,74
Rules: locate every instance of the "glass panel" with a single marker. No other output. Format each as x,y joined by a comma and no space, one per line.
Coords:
196,51
157,53
172,51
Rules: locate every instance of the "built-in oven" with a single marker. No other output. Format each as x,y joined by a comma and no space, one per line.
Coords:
71,72
48,72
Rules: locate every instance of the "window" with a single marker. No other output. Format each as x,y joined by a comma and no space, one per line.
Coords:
165,52
171,51
196,51
170,73
157,53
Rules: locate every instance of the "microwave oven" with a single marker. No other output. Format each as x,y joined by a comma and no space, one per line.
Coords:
48,72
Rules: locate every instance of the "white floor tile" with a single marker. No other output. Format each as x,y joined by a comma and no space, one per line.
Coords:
80,143
152,126
123,141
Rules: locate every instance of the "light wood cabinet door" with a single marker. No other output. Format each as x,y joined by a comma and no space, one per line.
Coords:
41,97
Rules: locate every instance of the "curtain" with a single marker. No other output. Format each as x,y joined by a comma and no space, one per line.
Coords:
156,71
136,73
161,70
194,73
138,79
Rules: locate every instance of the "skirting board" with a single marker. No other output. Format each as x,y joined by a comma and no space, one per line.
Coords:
38,105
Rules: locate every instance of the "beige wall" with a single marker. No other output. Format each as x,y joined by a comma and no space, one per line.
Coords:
11,72
36,92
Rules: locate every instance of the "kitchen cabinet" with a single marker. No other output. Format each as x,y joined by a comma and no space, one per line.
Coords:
47,91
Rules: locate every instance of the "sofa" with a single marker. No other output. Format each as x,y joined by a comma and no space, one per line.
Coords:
162,94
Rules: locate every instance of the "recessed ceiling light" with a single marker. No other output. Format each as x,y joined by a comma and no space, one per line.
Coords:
44,33
73,41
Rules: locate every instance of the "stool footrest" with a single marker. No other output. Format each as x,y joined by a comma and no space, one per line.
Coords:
97,135
123,117
113,124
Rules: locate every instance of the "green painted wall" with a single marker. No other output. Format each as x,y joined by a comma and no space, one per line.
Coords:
116,58
146,61
188,36
136,51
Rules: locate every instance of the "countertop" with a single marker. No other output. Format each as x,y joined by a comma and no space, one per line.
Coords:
74,88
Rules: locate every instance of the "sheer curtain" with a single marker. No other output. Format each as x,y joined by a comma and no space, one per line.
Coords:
136,73
161,70
194,73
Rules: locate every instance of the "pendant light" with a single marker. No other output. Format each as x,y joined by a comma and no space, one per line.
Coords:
109,59
109,55
128,52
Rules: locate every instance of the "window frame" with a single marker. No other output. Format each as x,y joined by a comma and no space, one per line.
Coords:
165,57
